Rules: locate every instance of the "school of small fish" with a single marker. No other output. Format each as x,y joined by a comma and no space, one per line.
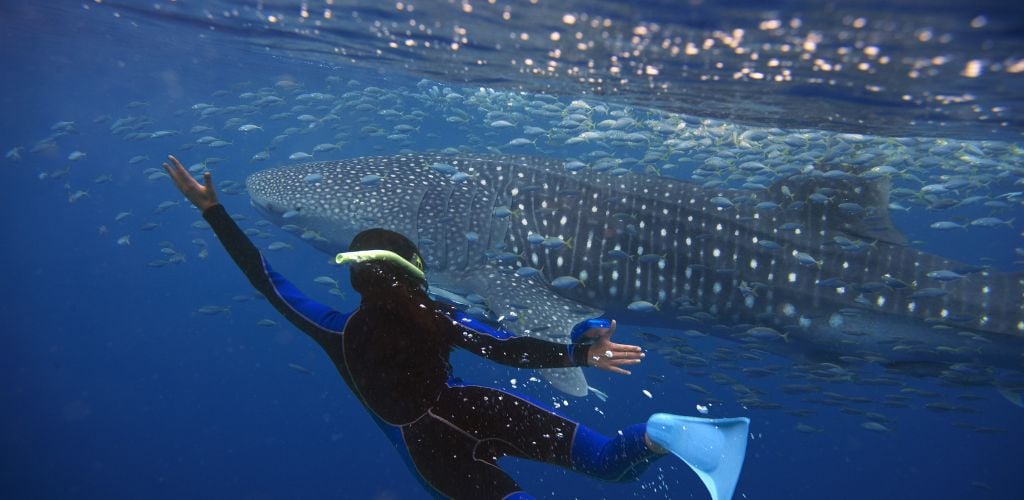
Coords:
967,188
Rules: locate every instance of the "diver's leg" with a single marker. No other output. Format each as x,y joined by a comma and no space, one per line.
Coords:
621,458
443,456
506,424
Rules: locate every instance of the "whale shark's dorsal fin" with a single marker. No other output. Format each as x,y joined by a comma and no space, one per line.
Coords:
875,223
847,191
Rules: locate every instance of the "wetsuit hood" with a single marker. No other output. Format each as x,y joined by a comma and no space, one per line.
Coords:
382,259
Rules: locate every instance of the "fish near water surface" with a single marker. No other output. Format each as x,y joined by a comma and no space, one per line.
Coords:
809,267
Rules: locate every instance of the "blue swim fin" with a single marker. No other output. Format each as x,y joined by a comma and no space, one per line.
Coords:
713,448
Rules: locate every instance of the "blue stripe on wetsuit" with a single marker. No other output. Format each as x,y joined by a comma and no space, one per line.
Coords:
318,321
622,458
323,316
583,326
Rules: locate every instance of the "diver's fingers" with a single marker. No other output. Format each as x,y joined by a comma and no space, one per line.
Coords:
614,363
627,355
618,370
208,182
626,347
611,329
618,362
181,176
175,162
176,177
171,171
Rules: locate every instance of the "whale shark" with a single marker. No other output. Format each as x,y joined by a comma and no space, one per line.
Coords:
810,267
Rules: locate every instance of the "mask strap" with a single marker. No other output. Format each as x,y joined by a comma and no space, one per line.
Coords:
387,255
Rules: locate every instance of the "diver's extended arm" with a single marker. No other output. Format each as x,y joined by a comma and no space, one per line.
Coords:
527,352
320,322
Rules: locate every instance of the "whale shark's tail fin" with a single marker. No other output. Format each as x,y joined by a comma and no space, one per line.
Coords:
713,448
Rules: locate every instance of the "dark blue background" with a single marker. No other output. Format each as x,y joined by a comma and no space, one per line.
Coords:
113,386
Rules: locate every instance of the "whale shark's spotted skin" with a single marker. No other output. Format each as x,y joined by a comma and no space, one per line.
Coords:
814,255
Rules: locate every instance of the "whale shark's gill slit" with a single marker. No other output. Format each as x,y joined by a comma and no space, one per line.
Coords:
667,233
569,222
431,224
624,236
485,204
461,205
652,243
539,208
499,197
472,218
604,263
589,236
481,204
524,218
460,211
680,254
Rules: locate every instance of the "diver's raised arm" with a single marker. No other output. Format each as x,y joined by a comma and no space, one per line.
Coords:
317,320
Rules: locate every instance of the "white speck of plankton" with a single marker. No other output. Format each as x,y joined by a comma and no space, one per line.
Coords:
703,410
648,394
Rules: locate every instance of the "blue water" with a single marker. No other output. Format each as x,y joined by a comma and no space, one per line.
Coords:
114,386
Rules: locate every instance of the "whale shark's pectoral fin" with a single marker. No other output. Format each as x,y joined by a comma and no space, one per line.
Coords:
1011,395
526,307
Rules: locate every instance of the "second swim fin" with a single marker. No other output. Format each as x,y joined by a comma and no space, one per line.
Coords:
713,448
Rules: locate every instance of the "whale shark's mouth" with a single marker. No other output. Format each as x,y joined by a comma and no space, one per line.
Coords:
267,208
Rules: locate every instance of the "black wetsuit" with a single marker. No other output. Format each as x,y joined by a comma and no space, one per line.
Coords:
450,434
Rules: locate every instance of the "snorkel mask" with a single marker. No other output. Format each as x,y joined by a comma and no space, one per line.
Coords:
415,270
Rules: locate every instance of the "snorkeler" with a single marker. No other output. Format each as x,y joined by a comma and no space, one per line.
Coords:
393,353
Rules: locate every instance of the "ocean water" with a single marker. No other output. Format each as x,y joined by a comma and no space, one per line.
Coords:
137,362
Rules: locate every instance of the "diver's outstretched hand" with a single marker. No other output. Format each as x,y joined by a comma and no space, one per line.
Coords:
608,355
203,196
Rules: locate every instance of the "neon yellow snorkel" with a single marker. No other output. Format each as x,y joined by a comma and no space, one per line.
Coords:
388,255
